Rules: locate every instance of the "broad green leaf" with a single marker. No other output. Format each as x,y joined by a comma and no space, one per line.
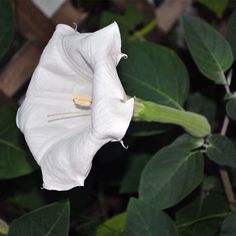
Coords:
221,150
218,7
50,220
114,226
154,73
4,228
14,159
130,182
195,124
231,108
210,51
172,173
232,32
188,141
204,214
6,26
144,218
126,21
229,227
203,105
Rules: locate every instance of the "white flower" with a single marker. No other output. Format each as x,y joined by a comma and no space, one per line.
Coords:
75,104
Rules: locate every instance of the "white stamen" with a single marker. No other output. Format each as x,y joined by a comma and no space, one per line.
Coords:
68,117
123,145
64,113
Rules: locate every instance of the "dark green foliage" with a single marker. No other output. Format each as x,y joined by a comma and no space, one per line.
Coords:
145,218
231,32
221,150
172,173
14,158
6,26
50,220
164,80
210,51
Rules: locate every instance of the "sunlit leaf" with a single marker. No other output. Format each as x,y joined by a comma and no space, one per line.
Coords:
114,226
3,227
218,7
126,21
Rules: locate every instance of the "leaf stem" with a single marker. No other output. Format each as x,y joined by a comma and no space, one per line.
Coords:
220,215
223,171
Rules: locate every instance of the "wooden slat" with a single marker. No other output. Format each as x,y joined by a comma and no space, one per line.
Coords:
169,13
67,14
37,28
20,68
32,22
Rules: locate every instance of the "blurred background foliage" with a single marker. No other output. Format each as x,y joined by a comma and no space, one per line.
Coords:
169,77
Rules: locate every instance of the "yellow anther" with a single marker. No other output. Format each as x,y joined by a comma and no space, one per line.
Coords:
82,100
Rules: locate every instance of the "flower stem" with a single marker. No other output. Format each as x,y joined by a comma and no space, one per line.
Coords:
144,31
220,215
193,123
223,171
225,175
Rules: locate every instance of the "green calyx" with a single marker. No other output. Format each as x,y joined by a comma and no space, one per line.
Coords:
195,124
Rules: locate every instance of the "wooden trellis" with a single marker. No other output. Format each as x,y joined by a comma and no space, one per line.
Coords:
37,29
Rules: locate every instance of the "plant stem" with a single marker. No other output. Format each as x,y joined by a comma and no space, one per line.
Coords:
223,171
224,174
221,215
145,30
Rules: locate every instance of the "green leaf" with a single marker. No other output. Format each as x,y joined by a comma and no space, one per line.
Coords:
172,173
14,159
130,182
232,32
231,108
144,218
204,214
50,220
3,227
218,7
229,227
210,51
114,226
127,21
6,26
164,80
221,150
199,103
195,124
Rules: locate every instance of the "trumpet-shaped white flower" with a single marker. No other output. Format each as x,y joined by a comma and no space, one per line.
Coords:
75,104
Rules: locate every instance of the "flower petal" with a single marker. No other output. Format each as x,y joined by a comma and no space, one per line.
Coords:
74,64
